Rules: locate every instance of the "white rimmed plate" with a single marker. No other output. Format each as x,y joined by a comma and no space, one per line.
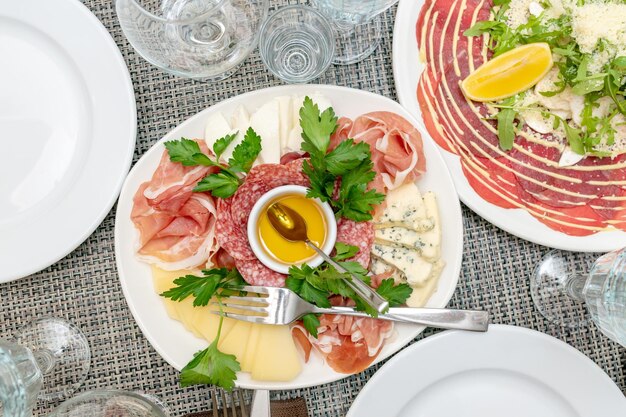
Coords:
507,371
175,344
67,129
407,68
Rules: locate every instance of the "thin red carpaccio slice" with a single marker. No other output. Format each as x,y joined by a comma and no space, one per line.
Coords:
579,200
359,234
255,273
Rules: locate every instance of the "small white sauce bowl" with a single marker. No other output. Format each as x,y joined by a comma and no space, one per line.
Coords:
255,240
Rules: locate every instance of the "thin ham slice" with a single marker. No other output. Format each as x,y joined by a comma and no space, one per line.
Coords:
176,226
396,146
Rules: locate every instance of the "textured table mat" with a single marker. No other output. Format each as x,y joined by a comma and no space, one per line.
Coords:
84,287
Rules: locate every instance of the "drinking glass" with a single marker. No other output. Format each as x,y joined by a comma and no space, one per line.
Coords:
200,39
296,44
20,380
357,24
560,286
111,403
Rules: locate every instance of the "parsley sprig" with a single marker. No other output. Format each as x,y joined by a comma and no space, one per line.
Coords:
315,285
224,183
350,163
209,366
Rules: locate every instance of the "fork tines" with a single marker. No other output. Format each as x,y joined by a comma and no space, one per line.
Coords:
247,308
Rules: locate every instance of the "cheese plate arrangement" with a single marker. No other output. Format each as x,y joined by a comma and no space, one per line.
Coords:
525,100
192,224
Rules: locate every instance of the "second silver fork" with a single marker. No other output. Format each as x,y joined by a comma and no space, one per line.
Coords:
282,306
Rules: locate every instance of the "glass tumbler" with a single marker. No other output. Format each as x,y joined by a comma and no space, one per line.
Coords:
297,44
200,39
357,24
111,403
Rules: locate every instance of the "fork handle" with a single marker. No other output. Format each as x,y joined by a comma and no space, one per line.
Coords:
442,318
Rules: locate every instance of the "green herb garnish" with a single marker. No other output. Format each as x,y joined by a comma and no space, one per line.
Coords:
224,183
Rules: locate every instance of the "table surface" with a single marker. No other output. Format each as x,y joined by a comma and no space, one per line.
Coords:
84,287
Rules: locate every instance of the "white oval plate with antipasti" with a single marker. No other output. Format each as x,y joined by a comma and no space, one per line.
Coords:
67,128
175,344
407,69
507,371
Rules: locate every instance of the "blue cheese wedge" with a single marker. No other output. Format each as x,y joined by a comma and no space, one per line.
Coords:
431,239
421,293
405,208
399,236
408,261
379,267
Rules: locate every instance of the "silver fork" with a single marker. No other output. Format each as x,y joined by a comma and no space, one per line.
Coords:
224,411
283,306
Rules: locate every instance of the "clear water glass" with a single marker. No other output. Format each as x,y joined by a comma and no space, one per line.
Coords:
296,44
357,24
20,380
201,39
560,288
111,403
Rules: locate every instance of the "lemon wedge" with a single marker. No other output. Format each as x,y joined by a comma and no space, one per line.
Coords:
508,74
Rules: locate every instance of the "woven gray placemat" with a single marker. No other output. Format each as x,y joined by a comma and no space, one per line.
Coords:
84,287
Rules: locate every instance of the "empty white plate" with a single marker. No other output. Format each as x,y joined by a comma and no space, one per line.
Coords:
67,130
508,371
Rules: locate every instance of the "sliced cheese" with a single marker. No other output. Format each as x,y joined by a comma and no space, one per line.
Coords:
247,360
207,323
186,311
163,281
265,122
236,340
276,357
294,139
408,261
239,122
216,127
431,239
421,293
380,267
399,236
285,119
405,208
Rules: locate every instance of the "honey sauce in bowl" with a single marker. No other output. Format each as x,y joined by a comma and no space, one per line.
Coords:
278,253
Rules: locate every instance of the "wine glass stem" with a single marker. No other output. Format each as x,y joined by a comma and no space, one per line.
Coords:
574,285
45,360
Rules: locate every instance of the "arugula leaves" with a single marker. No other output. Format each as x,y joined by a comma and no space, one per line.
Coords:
224,183
506,126
315,285
349,163
210,366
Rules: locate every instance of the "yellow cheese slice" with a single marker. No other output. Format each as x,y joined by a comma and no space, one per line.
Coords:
206,323
276,357
236,341
247,360
163,281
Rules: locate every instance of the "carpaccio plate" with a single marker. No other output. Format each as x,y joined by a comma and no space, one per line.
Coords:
408,68
177,345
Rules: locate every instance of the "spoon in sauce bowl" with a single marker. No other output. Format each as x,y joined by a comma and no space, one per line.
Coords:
292,226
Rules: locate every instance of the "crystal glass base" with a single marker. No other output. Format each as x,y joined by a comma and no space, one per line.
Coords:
354,43
556,288
62,354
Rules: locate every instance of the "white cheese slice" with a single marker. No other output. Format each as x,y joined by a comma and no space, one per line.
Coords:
431,239
216,127
295,134
405,208
265,122
399,236
379,267
286,119
408,261
239,122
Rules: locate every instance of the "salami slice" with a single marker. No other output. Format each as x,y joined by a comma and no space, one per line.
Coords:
359,234
255,273
229,235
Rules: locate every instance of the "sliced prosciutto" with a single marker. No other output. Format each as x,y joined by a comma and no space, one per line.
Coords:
396,146
348,344
176,226
578,200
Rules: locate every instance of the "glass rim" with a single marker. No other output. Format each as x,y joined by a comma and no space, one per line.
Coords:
176,21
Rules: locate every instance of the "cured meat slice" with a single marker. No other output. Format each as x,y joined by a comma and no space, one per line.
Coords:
579,200
176,226
359,234
255,273
230,236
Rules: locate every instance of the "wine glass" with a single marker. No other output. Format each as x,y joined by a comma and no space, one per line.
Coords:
47,359
200,39
112,403
560,287
357,24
